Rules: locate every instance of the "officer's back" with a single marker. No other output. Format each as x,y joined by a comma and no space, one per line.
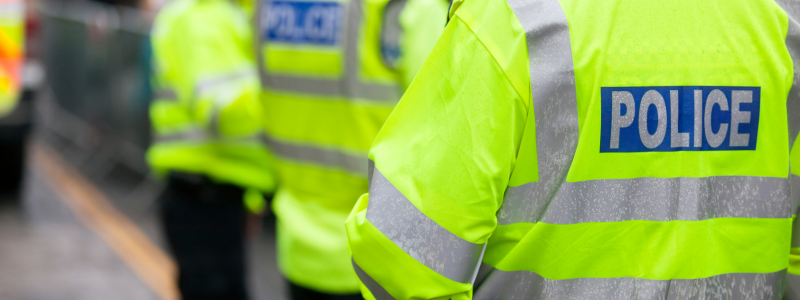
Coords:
581,149
206,127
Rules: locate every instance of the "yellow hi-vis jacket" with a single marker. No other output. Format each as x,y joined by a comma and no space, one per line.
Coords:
12,52
580,149
332,72
207,116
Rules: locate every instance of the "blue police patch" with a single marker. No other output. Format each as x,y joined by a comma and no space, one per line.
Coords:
679,118
304,22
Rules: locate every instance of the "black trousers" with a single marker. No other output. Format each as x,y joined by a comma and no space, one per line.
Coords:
205,227
300,293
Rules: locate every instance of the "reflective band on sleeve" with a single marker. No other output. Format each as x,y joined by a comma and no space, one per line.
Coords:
420,237
374,287
349,86
190,135
165,95
529,285
251,138
200,135
207,84
351,162
651,199
553,87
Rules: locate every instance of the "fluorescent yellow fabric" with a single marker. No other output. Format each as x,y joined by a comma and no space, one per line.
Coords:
418,39
383,253
12,52
462,112
315,197
207,114
464,84
713,60
465,131
254,201
315,246
645,249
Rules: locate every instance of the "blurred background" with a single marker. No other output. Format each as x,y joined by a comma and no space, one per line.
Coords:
78,212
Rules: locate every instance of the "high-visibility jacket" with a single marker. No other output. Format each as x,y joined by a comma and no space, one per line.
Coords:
578,149
12,53
206,114
332,72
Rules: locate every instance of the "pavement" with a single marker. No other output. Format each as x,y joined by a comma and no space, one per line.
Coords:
64,236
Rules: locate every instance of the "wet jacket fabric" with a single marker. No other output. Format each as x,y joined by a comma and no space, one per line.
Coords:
572,149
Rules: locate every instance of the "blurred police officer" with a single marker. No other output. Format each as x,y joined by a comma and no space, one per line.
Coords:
206,120
332,72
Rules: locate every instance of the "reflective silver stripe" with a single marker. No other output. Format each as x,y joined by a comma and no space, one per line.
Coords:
653,199
207,84
252,138
352,162
554,104
529,285
349,86
793,289
373,286
792,9
200,135
420,237
333,87
189,135
165,95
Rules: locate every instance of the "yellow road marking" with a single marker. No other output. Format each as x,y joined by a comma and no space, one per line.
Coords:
151,264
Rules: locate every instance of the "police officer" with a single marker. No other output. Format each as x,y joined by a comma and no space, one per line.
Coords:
207,121
332,72
575,149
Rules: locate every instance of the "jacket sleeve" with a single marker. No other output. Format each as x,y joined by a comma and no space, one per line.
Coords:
441,163
204,59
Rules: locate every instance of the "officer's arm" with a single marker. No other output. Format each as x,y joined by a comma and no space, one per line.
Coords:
442,161
422,22
215,72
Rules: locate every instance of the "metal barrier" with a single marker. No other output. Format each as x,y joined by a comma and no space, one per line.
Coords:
97,61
